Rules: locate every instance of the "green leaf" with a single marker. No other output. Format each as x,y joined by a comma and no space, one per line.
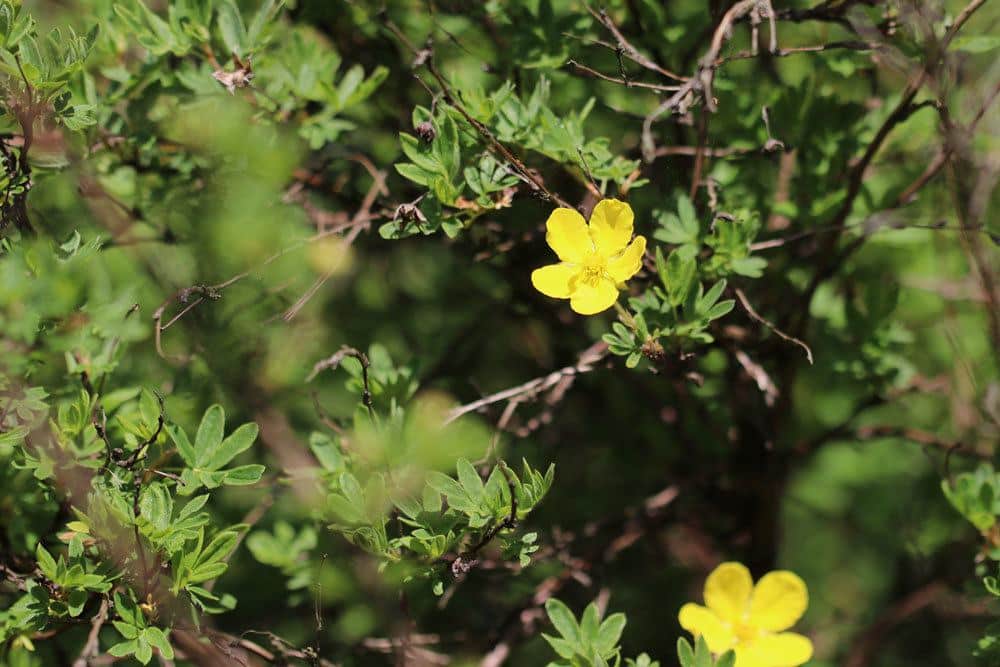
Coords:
589,625
239,441
444,484
127,630
610,633
156,505
243,475
563,648
367,87
143,651
193,506
122,649
720,309
414,173
155,636
231,27
751,267
209,435
348,83
711,296
149,409
206,572
563,620
680,277
702,655
76,601
685,653
264,14
46,563
219,547
686,212
470,480
976,43
127,611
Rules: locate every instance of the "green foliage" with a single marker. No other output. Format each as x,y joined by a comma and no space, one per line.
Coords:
700,656
205,203
976,496
139,637
437,155
589,642
211,451
285,549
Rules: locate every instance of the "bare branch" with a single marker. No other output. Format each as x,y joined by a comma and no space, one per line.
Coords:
758,318
587,362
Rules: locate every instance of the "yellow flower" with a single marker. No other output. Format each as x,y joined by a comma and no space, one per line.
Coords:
751,619
595,259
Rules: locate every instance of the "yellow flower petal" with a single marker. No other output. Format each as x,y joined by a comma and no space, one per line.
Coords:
700,621
747,657
779,600
727,591
611,226
555,280
566,233
628,264
787,649
590,299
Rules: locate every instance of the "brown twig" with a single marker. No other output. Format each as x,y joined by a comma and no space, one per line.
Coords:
92,647
754,315
333,362
700,84
848,44
628,83
629,51
587,362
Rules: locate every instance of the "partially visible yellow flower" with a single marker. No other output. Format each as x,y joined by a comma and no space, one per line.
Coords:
751,619
594,260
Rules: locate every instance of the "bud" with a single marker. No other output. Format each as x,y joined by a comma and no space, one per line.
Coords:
426,132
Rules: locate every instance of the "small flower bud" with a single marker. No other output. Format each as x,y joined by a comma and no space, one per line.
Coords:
426,132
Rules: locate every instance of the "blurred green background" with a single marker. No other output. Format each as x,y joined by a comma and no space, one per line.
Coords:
839,480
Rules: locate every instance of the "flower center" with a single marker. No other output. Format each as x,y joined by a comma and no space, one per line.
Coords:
745,632
593,269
